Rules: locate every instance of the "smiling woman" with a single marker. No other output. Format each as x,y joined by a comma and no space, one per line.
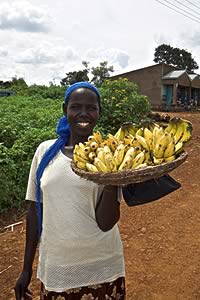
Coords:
73,220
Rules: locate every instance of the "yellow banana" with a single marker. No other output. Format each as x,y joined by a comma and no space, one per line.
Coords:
92,156
120,134
77,158
138,160
170,149
179,147
140,132
81,165
158,161
119,154
98,137
135,143
142,141
147,156
141,166
171,127
132,130
170,158
126,163
100,165
187,131
80,152
148,135
94,146
109,160
179,132
91,168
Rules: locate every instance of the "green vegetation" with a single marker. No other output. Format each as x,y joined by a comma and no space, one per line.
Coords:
30,117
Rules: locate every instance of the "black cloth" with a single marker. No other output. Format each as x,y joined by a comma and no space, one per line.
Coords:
150,190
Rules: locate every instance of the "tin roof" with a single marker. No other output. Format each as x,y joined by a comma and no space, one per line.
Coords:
174,74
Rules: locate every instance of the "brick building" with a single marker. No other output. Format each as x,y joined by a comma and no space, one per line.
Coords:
165,85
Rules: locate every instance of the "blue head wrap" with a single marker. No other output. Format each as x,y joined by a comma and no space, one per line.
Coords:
63,130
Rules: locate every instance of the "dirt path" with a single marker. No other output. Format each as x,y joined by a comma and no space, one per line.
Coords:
161,240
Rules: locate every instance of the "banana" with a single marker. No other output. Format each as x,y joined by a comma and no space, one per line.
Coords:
147,156
170,158
158,151
87,150
179,132
138,160
187,131
179,147
91,138
132,130
77,158
130,152
171,127
92,156
109,160
127,140
81,165
100,165
141,166
120,134
140,132
135,143
94,146
91,168
113,142
155,135
148,135
98,137
119,154
170,149
142,141
126,163
158,161
80,152
100,155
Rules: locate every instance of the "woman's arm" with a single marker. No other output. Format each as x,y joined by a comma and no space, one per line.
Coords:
108,208
21,287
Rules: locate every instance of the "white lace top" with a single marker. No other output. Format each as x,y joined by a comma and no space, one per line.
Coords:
73,251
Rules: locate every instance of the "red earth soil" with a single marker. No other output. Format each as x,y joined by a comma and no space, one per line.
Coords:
161,239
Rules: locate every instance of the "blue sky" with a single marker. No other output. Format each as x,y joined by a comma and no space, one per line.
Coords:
42,40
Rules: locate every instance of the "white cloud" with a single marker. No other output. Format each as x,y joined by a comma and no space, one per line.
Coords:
114,56
23,16
3,52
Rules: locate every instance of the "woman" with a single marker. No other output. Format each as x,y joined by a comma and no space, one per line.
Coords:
80,250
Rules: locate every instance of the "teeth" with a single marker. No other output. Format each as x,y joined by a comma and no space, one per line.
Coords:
83,124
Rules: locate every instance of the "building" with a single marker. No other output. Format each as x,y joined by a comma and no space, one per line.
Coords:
6,93
165,85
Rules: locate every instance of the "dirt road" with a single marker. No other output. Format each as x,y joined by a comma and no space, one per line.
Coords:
161,240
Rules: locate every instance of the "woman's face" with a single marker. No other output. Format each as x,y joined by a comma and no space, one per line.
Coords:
82,111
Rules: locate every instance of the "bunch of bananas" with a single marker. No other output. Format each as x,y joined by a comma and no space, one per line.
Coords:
133,147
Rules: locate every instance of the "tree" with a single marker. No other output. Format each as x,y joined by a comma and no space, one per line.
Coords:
76,76
179,58
101,73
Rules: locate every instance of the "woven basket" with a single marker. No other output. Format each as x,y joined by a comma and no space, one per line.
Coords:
131,176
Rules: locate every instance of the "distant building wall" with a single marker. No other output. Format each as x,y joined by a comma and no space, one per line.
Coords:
149,81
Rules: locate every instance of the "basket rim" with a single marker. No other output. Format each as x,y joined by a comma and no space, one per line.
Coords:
133,175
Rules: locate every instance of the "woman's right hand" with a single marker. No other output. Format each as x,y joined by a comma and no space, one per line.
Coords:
21,288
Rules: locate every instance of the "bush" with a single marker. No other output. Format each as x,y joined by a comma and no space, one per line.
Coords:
121,102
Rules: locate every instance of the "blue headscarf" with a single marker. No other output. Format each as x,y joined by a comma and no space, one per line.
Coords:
63,131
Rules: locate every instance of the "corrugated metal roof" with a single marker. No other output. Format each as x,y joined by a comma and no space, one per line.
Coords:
174,74
193,76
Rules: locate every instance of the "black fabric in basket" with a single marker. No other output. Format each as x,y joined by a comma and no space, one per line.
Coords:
150,190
